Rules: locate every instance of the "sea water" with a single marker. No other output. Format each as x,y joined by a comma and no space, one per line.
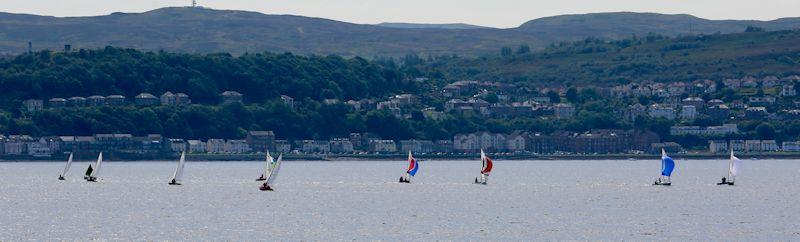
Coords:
362,200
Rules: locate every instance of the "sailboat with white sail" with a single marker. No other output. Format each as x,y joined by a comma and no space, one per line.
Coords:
66,168
485,170
413,167
667,166
178,174
734,165
272,175
91,173
267,167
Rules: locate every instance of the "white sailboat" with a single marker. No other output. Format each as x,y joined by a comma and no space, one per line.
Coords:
91,173
267,167
66,168
734,165
485,169
272,175
178,175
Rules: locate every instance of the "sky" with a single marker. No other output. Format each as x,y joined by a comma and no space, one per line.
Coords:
492,13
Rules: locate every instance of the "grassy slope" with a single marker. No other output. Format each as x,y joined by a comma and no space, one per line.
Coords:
714,56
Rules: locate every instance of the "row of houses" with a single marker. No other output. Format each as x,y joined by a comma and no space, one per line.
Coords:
143,99
724,146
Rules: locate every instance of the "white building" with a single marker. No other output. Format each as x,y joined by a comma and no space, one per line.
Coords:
341,145
737,145
705,131
658,111
382,146
196,146
315,146
769,146
564,111
792,146
177,145
215,146
752,145
717,146
237,146
688,112
515,142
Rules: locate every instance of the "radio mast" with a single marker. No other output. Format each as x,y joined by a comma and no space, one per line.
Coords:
194,3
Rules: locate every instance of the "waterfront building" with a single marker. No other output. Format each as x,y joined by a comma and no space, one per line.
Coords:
382,146
261,141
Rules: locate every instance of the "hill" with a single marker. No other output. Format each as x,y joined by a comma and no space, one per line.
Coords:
430,26
624,24
200,30
654,57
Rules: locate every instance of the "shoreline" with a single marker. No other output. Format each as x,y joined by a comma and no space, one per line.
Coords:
395,157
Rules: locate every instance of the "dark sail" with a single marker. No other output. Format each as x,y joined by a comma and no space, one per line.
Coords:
89,171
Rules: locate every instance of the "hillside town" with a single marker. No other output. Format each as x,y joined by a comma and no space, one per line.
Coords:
727,102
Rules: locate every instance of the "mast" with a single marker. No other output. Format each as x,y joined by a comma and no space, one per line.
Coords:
66,168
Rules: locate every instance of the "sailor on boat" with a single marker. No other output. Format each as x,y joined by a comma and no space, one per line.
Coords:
667,166
413,167
272,173
733,170
486,168
270,162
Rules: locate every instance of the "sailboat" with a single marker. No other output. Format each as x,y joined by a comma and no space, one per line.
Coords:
272,175
267,167
413,167
667,166
485,170
176,177
91,174
734,166
66,168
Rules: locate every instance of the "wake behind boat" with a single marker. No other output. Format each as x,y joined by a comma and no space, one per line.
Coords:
667,166
485,169
733,170
178,175
91,173
272,175
66,168
267,168
413,167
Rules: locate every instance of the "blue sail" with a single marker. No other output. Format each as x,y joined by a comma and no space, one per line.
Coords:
414,169
667,165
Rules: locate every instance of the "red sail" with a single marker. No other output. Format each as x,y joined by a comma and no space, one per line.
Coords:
487,167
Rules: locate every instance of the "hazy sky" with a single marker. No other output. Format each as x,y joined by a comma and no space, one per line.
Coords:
495,13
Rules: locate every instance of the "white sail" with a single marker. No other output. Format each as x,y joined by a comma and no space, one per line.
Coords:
734,167
270,161
99,162
274,170
178,175
66,168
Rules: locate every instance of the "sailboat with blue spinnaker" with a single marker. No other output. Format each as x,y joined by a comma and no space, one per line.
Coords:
667,166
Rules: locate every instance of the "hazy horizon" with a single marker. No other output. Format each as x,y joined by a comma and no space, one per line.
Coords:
500,13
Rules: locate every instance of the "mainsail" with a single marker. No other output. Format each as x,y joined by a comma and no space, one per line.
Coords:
276,167
99,162
733,167
66,168
268,166
178,175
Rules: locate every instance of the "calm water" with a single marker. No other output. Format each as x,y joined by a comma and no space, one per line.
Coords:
530,200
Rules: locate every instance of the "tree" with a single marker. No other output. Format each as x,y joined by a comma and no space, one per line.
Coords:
492,98
554,97
765,131
523,49
572,95
505,52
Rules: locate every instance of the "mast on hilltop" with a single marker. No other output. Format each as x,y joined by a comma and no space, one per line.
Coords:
194,3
